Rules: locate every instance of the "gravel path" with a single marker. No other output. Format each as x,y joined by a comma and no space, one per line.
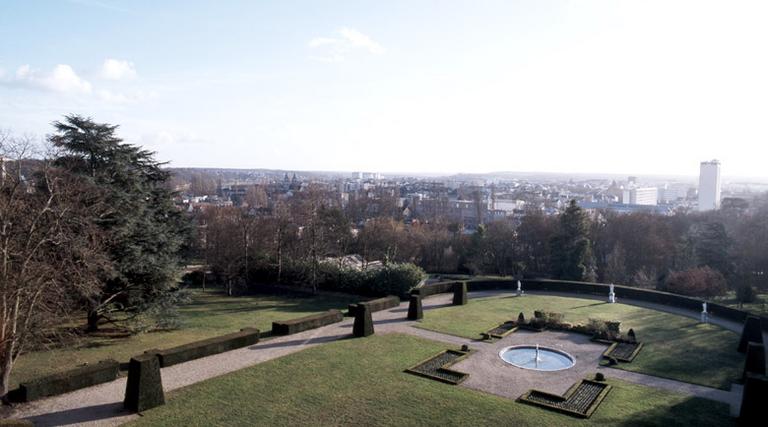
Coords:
102,405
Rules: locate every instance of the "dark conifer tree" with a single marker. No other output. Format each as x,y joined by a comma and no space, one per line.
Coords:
145,231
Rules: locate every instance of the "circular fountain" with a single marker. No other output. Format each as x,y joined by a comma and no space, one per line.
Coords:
536,358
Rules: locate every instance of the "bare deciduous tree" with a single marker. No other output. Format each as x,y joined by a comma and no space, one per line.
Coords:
49,251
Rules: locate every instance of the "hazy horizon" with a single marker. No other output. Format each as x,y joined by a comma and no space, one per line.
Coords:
596,88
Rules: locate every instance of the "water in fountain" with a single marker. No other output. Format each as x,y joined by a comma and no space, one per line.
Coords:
536,357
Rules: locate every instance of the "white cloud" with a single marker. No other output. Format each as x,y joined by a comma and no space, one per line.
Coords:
358,39
347,40
61,79
172,137
125,98
115,69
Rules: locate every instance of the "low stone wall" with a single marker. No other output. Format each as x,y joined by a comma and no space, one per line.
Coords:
207,347
64,382
376,304
595,289
293,326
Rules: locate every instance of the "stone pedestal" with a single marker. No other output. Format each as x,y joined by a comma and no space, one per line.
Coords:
460,293
363,326
144,389
415,310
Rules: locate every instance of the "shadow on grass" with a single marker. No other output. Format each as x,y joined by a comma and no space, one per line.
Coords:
80,415
688,410
590,305
378,322
298,342
433,307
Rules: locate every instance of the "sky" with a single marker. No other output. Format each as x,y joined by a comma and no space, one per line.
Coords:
431,86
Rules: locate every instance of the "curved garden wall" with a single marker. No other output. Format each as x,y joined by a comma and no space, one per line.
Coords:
589,288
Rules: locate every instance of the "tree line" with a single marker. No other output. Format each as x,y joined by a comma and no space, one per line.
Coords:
702,254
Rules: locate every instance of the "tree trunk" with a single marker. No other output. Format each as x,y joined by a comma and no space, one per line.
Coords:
6,364
93,321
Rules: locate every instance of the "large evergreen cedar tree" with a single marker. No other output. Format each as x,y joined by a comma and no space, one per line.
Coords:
571,248
50,251
144,231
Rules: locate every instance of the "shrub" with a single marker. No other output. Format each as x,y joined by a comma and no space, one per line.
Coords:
555,318
391,279
698,282
613,329
599,376
746,294
193,279
597,327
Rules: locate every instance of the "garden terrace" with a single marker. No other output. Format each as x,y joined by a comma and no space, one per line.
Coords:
210,314
674,346
328,384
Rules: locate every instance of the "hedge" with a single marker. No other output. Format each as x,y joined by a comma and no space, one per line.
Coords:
377,304
144,388
595,289
293,326
391,279
64,382
207,347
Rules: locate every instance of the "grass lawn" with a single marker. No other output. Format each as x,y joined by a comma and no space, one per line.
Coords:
759,306
210,314
675,347
361,382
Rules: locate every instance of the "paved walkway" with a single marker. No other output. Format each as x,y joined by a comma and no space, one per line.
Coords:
102,405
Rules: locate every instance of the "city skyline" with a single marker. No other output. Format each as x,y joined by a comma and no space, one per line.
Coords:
554,87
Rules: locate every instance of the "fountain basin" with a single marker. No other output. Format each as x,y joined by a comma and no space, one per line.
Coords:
549,359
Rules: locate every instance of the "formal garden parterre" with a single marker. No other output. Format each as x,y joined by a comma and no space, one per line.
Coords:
598,322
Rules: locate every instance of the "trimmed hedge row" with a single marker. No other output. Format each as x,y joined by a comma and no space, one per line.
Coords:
64,382
433,289
293,326
376,304
600,289
207,347
391,279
